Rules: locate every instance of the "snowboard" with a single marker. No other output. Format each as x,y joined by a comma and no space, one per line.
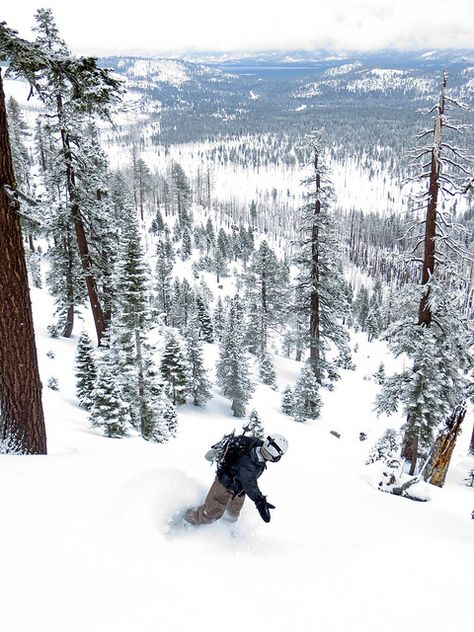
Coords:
178,525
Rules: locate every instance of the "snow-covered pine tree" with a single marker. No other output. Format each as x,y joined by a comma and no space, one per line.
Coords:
219,319
287,400
220,265
18,130
182,194
435,380
72,89
360,308
387,447
267,284
267,370
108,409
296,331
306,399
379,375
374,322
142,387
321,291
255,426
186,247
199,386
233,364
252,331
210,236
163,271
174,367
183,304
204,320
86,370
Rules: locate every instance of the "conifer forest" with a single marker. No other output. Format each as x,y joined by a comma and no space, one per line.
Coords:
203,244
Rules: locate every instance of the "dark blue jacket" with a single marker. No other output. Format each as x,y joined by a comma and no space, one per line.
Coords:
241,475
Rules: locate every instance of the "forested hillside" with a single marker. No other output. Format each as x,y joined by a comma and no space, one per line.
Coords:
222,242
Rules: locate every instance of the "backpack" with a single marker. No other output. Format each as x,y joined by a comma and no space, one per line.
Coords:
227,451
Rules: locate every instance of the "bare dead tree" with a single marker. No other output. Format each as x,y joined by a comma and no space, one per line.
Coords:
438,464
443,165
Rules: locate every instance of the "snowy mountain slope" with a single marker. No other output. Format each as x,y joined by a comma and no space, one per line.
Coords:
88,545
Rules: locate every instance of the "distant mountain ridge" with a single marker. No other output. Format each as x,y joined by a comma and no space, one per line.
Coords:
202,94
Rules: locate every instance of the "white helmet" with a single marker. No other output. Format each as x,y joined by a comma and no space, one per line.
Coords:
274,447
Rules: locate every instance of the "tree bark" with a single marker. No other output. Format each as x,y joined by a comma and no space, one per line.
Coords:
21,410
69,324
410,450
424,314
437,467
471,446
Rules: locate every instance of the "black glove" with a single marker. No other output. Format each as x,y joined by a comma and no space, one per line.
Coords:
264,508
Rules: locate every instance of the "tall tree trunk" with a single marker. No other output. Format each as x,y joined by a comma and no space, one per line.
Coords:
69,325
471,446
264,321
141,383
437,467
314,322
410,450
424,314
82,244
21,410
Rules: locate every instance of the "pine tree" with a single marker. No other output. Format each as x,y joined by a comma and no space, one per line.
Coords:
199,387
387,447
287,400
252,337
108,410
374,323
379,375
163,270
361,307
219,319
267,290
307,402
18,130
233,365
435,380
142,386
174,368
86,371
321,291
72,88
255,427
186,248
204,320
210,236
182,196
267,370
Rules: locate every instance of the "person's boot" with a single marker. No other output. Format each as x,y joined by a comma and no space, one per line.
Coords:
191,516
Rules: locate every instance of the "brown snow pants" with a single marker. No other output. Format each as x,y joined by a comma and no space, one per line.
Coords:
218,500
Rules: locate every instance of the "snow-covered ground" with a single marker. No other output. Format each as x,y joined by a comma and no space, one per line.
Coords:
86,540
87,547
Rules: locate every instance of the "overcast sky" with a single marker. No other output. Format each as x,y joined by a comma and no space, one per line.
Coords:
166,26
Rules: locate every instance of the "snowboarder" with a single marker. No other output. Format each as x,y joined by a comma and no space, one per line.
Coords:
236,478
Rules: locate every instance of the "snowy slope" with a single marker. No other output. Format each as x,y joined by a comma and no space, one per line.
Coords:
87,545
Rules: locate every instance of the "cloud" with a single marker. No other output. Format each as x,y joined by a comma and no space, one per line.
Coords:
95,26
